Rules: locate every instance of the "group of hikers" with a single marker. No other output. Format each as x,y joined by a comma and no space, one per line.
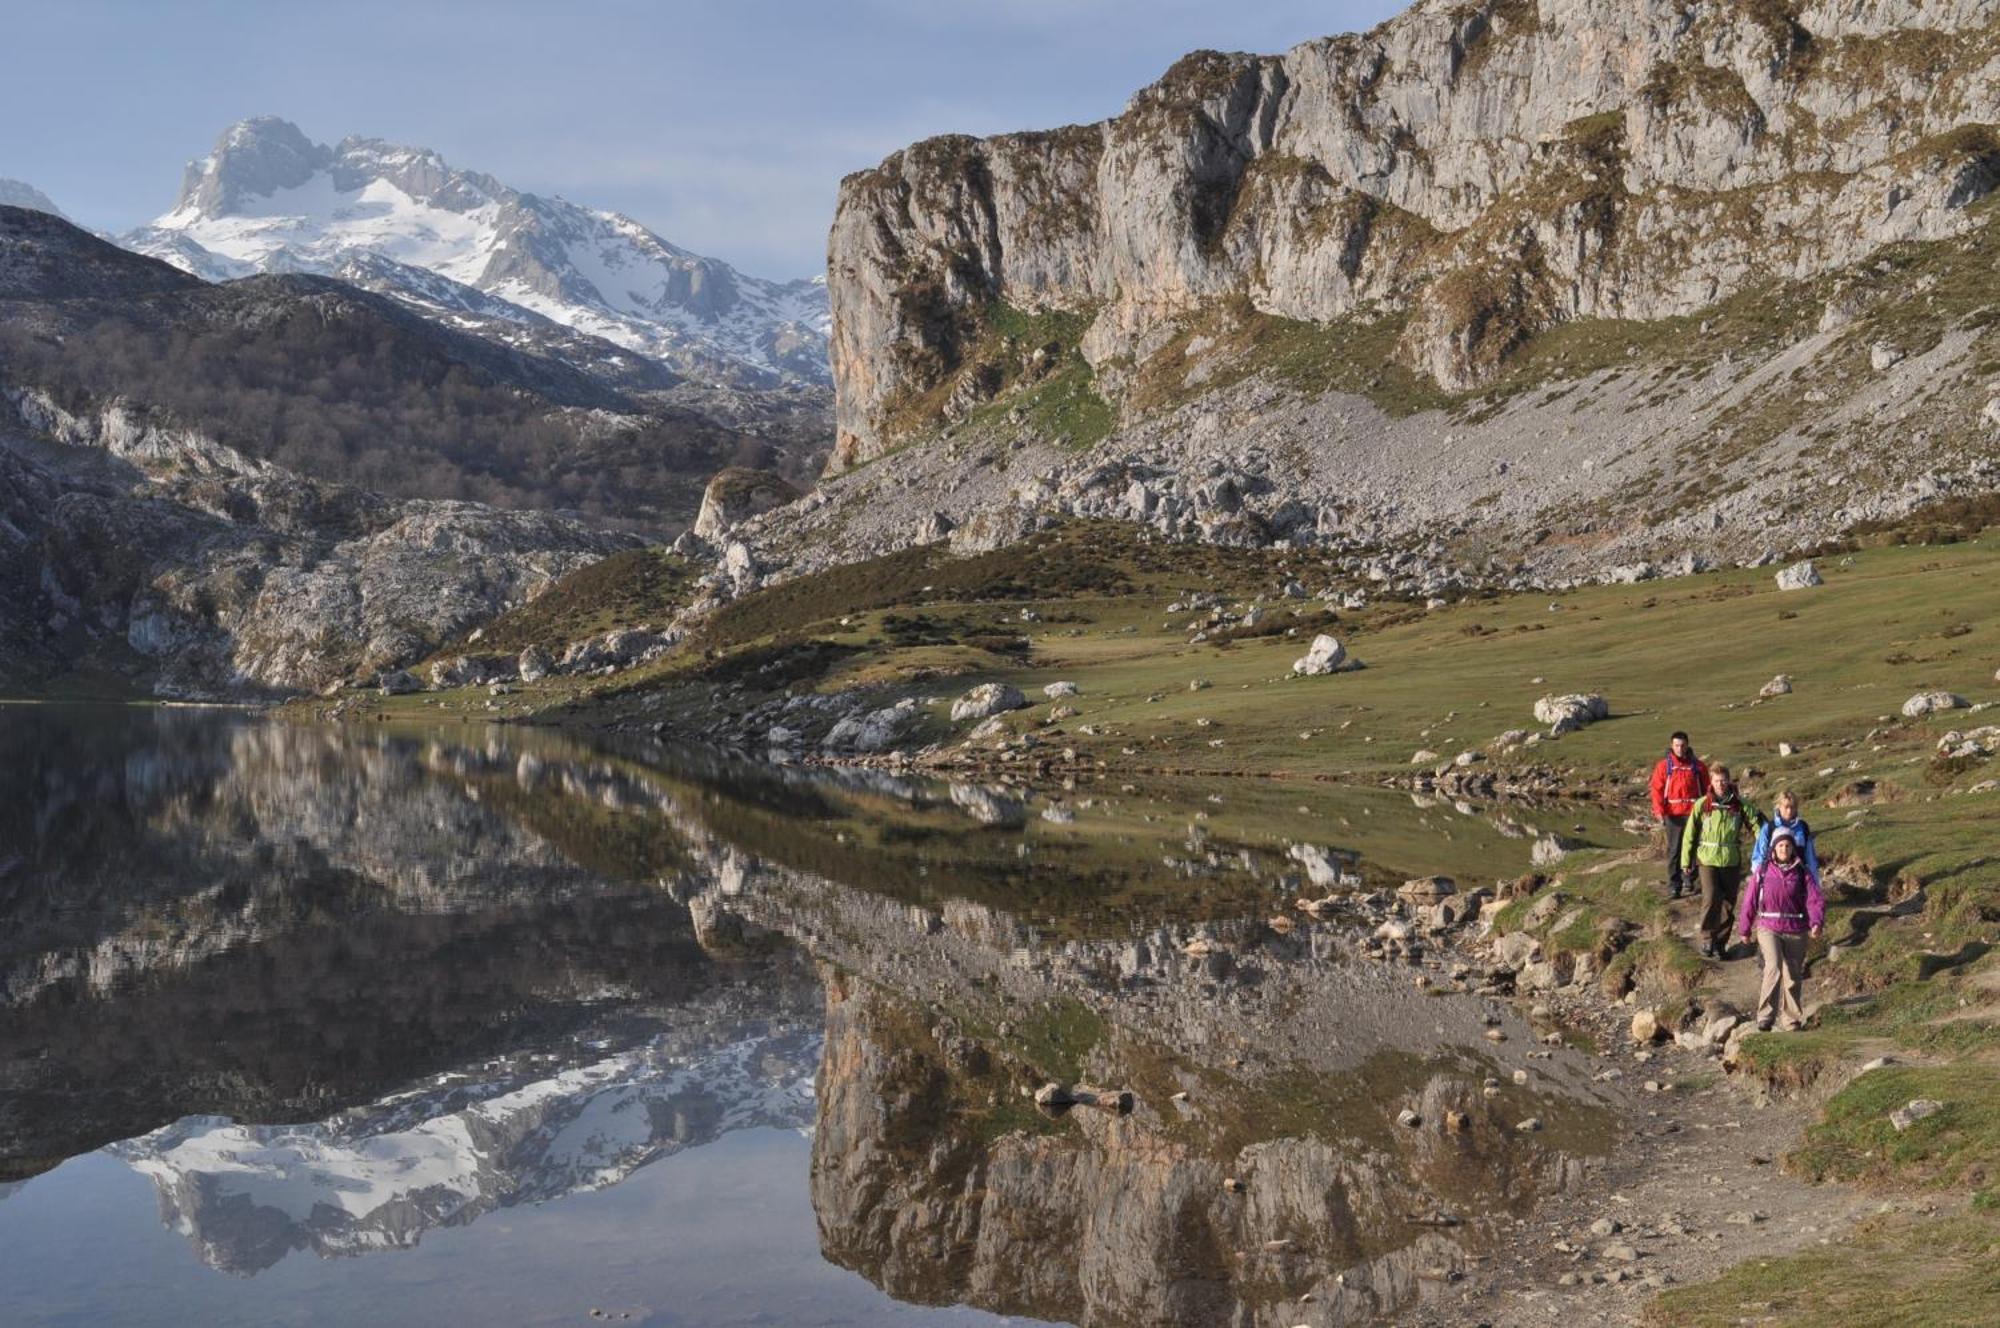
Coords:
1709,834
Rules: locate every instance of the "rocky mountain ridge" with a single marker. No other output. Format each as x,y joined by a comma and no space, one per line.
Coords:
1483,172
457,244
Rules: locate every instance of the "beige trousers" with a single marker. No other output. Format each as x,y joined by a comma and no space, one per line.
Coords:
1784,973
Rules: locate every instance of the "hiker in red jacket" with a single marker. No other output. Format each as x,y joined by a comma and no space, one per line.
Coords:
1679,780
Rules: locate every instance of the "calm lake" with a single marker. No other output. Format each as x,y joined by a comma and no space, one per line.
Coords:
334,1026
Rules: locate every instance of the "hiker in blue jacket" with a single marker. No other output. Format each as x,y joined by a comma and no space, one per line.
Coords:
1785,816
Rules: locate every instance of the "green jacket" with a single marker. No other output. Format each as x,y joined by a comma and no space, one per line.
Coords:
1714,835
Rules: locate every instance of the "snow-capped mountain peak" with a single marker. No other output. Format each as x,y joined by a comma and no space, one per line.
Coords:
267,198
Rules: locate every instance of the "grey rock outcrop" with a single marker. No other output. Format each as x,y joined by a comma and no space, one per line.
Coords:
737,494
534,664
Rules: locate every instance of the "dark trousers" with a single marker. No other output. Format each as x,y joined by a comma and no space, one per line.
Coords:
1675,826
1718,902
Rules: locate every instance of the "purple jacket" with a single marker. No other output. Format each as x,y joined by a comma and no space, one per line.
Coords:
1782,898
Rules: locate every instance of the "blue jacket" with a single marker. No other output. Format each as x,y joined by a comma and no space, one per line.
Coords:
1802,835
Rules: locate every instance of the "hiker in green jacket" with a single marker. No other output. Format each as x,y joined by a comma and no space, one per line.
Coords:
1713,842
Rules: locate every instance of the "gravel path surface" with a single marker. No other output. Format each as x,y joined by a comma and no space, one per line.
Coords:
1694,1188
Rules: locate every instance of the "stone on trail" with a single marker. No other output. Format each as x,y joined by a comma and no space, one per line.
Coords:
1926,703
1645,1027
1423,757
534,664
1718,1029
1408,1118
1778,686
1057,689
1325,656
986,700
1800,576
1919,1108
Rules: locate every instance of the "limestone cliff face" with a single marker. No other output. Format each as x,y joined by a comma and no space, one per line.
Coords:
1480,172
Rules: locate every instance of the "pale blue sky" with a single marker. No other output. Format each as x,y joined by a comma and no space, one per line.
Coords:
722,124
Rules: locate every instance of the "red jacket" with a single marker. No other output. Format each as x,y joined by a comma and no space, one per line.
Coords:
1678,784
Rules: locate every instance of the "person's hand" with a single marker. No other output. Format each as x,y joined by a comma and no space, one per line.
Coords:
1815,932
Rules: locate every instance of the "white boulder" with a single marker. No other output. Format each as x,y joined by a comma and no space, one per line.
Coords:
1573,711
874,731
1800,576
986,700
1928,703
1326,655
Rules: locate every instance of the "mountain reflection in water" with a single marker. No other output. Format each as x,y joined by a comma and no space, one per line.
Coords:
341,990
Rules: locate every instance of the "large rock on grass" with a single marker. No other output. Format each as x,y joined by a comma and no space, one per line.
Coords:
1800,576
1930,703
875,731
1325,656
986,700
1565,714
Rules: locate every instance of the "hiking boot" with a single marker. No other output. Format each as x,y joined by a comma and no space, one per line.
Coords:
1763,1025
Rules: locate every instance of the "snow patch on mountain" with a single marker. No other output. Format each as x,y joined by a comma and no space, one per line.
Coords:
378,1177
267,199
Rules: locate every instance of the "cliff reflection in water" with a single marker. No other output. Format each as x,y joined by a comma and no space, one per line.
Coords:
331,989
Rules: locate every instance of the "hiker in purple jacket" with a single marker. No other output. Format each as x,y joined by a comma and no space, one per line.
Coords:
1784,905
